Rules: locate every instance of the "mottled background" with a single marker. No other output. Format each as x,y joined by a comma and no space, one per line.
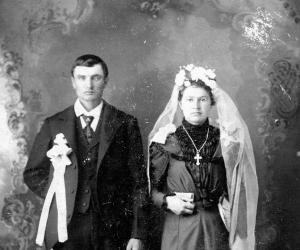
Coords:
253,46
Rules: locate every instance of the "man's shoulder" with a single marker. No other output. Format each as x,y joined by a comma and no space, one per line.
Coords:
107,108
116,111
61,114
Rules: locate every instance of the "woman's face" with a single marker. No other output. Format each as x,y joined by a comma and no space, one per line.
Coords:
195,104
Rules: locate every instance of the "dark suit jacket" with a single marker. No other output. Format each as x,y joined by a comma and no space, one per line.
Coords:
121,174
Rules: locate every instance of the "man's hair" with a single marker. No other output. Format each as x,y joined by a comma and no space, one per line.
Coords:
90,60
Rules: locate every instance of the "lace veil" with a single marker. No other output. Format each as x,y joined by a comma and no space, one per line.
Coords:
236,149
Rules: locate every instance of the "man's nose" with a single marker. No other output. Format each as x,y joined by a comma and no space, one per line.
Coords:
89,82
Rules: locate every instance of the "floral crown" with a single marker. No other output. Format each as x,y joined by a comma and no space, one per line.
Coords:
191,72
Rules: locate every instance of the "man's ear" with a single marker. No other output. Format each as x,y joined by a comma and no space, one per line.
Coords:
72,81
106,80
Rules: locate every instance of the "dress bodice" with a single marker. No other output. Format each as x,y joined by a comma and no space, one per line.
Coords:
209,177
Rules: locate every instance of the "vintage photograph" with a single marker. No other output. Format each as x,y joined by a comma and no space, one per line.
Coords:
149,125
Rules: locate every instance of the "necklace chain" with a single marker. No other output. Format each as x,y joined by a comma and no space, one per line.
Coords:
197,150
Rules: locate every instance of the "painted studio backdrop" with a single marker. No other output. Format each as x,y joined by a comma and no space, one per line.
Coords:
253,45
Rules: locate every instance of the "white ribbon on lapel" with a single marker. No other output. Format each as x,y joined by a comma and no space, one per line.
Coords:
58,155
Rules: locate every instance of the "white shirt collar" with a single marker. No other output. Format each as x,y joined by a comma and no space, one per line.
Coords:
95,112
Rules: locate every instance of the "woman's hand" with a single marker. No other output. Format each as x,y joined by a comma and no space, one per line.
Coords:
179,206
134,244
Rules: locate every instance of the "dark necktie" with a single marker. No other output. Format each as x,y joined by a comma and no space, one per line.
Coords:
88,129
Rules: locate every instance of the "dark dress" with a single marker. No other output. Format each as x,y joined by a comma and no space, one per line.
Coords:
173,169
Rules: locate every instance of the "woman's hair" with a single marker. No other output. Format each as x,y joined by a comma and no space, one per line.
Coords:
199,84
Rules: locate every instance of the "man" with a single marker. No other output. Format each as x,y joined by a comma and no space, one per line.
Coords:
105,183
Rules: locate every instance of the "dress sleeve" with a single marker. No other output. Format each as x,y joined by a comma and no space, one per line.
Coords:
218,180
159,161
218,185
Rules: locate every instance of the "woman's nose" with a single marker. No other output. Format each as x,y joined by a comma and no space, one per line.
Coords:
197,104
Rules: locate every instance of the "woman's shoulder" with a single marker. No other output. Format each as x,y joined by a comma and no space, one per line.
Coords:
214,135
214,130
171,145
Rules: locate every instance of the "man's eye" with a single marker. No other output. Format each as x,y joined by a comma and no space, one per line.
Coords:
81,77
97,78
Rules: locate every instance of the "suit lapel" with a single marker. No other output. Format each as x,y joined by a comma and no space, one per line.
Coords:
110,122
67,126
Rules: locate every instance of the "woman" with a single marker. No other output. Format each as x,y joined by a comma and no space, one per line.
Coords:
195,168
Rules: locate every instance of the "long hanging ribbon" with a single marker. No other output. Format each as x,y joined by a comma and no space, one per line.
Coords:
58,156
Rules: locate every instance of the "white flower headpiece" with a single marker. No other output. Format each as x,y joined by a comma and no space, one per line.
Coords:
191,72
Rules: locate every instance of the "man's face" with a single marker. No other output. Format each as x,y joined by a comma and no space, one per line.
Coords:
89,84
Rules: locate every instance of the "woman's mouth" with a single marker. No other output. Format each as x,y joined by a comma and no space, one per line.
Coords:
196,113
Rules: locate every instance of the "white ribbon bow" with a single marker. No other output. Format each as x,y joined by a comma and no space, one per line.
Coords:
58,155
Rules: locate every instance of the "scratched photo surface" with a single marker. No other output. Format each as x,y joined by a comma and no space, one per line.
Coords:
253,45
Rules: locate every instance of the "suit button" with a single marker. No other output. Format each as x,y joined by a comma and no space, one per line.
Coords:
89,157
87,191
84,204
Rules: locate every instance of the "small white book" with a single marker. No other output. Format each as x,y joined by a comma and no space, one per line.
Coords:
185,196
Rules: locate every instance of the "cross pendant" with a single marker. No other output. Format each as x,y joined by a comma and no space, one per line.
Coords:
198,157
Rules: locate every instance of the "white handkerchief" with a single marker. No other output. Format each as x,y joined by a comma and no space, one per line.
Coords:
185,196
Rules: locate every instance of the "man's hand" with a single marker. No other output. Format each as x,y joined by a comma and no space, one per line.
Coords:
134,244
179,206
